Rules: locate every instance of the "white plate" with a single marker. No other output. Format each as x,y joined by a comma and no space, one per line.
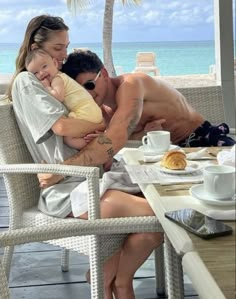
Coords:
198,192
148,152
191,167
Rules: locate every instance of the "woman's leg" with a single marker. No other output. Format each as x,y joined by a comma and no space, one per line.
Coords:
136,248
135,251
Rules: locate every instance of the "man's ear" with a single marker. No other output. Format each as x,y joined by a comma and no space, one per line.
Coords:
104,72
34,46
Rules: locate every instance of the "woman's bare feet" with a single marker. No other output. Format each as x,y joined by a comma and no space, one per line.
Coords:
110,269
123,292
107,287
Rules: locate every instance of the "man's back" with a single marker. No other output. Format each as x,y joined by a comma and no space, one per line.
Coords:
161,101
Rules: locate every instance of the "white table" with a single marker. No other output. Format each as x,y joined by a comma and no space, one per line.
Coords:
186,244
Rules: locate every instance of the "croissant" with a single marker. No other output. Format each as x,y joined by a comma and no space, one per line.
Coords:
175,160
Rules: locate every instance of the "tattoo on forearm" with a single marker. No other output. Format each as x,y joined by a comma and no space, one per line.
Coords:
134,121
103,139
110,152
132,126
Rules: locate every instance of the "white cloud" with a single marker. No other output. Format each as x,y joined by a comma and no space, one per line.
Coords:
165,17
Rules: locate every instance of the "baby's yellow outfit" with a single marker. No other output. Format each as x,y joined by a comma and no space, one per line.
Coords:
79,102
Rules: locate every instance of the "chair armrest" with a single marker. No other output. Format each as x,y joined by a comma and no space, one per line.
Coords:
80,228
66,170
90,173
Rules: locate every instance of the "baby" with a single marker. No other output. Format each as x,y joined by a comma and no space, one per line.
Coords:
66,90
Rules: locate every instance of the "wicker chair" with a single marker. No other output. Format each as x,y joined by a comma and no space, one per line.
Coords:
208,101
23,193
66,230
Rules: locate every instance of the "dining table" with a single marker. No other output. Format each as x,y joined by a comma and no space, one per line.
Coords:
210,264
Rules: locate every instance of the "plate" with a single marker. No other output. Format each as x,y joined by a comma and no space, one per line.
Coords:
191,167
198,192
148,152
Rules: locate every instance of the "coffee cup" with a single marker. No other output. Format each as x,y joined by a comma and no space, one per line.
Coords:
158,141
219,181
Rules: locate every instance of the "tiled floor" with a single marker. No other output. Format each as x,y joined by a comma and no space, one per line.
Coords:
36,273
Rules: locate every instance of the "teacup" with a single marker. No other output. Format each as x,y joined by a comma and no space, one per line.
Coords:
158,141
219,181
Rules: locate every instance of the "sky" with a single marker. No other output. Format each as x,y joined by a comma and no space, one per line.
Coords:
151,20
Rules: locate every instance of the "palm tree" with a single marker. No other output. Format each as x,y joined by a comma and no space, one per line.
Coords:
73,5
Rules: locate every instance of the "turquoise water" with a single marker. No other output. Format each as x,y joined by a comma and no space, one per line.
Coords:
172,58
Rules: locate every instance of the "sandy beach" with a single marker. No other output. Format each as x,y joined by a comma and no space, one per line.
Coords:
176,81
191,80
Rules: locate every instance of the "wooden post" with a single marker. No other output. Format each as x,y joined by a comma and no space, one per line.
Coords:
224,55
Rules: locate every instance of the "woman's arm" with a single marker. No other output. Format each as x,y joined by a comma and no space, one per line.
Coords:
74,127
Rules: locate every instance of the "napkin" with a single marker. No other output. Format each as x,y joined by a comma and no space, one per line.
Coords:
190,156
117,178
222,215
197,155
155,158
227,157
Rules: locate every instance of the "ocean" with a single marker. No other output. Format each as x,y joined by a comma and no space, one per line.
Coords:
172,58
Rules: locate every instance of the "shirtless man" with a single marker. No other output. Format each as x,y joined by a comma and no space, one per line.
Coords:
132,105
138,103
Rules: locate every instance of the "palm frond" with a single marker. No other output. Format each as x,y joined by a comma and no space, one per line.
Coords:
75,6
127,2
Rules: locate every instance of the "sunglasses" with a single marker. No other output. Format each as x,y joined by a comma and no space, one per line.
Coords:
90,85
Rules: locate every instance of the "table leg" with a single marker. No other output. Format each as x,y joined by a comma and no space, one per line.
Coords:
160,271
174,272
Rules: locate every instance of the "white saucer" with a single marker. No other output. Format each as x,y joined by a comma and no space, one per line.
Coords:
191,167
197,191
148,152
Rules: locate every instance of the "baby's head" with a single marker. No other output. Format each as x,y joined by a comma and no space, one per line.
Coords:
41,64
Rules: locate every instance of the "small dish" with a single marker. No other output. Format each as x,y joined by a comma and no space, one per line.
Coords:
198,192
149,152
191,167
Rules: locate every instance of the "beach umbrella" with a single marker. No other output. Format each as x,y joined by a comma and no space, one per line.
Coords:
75,5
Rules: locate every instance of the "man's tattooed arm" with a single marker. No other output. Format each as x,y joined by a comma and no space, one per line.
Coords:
135,118
103,139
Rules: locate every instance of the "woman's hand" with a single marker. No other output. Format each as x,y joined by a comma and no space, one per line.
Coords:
155,125
88,138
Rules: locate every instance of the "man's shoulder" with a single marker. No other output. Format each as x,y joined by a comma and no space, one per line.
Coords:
134,78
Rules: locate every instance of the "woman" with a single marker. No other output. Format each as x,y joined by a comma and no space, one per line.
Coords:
43,123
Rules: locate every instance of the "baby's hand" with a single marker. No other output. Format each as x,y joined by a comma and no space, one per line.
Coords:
47,179
46,83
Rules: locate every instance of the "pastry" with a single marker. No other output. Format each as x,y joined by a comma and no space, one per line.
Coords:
175,160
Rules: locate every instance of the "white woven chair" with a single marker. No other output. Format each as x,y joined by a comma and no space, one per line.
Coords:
207,100
65,230
23,192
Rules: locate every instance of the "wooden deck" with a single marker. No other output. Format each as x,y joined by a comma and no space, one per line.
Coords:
36,273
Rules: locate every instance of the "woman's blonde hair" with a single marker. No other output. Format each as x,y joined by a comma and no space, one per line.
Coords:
39,30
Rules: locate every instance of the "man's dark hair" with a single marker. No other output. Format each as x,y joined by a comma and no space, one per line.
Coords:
82,61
